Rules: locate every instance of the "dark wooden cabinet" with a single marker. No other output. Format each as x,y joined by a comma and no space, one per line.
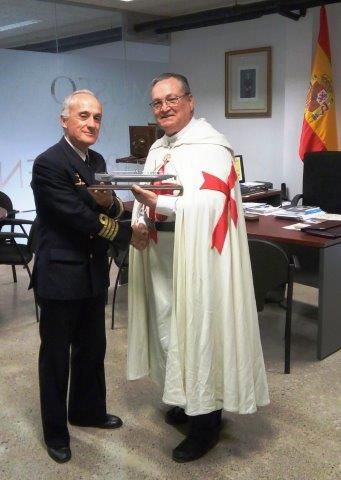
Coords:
141,139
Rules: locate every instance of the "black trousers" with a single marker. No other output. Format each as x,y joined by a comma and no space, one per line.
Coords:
72,352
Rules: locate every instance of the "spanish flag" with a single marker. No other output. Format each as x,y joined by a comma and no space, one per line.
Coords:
319,132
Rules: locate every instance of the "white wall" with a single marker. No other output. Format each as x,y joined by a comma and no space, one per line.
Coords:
33,86
298,52
269,145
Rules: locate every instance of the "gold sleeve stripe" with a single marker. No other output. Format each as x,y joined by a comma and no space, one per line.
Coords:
119,205
110,227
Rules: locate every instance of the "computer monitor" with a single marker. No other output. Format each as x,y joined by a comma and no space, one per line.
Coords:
239,167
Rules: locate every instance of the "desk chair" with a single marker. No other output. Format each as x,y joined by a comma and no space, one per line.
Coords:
321,181
272,270
6,203
121,260
13,252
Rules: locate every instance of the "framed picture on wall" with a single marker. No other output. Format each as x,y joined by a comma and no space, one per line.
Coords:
248,83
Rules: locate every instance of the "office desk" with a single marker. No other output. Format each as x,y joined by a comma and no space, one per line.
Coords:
273,197
320,260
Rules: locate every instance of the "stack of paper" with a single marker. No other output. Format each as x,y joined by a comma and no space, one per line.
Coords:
298,213
327,216
259,208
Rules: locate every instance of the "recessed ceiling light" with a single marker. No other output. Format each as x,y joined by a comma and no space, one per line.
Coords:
18,25
126,0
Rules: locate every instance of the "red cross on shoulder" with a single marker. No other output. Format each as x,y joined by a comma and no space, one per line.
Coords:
211,182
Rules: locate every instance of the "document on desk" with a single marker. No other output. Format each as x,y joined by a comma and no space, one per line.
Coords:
308,222
253,204
259,208
312,219
296,226
327,216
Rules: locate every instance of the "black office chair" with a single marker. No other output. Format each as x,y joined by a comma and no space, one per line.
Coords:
14,252
272,271
321,181
121,260
6,203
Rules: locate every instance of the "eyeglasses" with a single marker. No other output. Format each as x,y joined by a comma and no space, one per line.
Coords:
170,102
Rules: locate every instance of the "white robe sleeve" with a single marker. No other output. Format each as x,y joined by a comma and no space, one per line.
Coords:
166,205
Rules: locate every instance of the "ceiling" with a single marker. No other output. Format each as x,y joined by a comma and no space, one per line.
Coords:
168,8
65,18
54,19
27,22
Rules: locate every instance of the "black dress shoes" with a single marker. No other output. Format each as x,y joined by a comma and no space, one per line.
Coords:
110,422
176,416
59,454
203,435
194,447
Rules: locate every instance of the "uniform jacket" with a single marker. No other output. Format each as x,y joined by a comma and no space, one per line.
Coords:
71,259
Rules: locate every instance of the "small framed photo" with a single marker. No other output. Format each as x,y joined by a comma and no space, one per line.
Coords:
248,83
239,167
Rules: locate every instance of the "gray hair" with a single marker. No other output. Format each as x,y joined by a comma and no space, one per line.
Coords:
181,78
68,101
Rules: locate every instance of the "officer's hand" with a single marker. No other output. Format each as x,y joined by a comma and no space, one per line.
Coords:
146,197
140,237
103,198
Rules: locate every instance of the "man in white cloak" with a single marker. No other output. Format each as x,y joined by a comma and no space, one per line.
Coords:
193,324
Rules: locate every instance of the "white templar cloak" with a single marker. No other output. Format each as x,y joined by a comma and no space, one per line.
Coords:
193,324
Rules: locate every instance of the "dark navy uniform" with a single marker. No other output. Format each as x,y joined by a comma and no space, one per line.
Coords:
71,276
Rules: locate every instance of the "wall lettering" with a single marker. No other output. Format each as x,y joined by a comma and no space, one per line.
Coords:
17,169
60,83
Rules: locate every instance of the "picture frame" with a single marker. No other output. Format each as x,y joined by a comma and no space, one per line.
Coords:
248,77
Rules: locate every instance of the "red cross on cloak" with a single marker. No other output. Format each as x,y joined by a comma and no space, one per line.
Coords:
212,182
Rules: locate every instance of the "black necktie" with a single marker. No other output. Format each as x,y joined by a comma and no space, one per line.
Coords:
87,160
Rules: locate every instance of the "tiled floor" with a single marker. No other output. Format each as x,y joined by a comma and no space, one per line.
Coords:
297,437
